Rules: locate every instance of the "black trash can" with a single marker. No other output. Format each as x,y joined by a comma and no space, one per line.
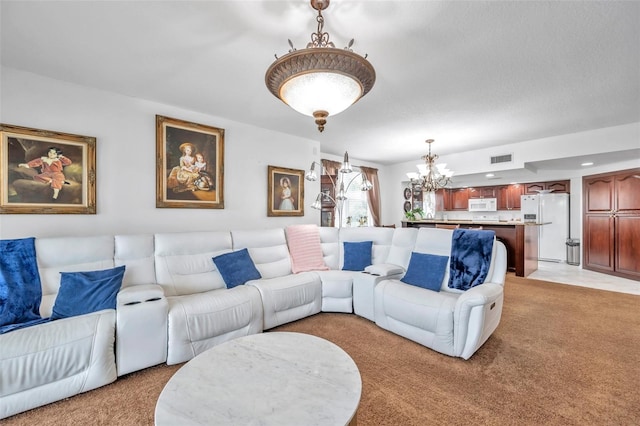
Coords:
573,251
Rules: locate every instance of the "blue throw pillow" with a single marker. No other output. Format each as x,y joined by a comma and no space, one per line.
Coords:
85,292
357,256
20,288
236,268
426,270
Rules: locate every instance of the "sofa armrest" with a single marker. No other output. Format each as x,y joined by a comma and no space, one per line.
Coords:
476,315
384,270
480,295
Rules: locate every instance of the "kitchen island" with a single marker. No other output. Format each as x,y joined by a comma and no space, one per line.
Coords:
520,239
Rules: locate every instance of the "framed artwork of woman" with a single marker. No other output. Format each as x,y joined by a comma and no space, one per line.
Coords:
190,164
285,192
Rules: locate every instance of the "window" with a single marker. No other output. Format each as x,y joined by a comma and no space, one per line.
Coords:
355,211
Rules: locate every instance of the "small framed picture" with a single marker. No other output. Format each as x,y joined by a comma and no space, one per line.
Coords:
285,192
407,193
190,164
46,172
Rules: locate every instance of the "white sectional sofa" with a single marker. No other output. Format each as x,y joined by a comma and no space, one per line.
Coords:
174,303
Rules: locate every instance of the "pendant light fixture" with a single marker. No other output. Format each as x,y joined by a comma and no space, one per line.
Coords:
431,176
320,80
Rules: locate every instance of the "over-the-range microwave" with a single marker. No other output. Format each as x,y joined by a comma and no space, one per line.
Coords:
483,205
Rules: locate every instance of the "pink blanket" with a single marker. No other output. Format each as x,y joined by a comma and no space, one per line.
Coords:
305,248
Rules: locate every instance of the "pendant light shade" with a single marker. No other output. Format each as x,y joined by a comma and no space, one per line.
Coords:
320,80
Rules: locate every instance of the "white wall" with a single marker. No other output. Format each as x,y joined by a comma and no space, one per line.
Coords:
126,155
125,132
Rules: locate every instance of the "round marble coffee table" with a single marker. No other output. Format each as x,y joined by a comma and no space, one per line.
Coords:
277,378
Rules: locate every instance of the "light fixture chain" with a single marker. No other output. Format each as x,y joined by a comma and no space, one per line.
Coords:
320,38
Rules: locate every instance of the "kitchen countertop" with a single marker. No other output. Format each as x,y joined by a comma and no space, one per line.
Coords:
477,222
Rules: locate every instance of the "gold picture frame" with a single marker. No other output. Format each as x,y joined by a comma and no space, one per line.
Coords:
190,164
46,172
285,192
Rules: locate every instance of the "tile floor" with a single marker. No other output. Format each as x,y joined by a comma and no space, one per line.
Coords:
575,275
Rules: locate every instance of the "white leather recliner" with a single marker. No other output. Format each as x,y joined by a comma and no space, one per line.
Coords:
202,311
285,296
58,359
452,322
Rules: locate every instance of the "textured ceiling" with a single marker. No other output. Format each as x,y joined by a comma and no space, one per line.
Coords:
469,74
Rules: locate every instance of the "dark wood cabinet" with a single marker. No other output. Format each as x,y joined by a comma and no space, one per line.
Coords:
533,187
561,186
611,223
558,186
482,192
459,199
443,199
509,196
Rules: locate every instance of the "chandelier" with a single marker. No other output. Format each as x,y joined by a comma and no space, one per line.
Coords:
339,186
432,176
320,80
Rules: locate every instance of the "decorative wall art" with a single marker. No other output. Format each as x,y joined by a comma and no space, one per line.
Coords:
285,192
190,164
46,172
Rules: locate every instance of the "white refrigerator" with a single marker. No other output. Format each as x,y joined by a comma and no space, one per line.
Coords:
552,211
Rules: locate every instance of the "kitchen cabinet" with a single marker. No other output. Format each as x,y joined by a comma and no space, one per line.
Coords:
443,199
482,192
459,199
509,196
562,186
611,223
532,188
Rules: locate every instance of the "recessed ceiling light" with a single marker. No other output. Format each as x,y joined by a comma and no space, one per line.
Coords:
489,175
587,164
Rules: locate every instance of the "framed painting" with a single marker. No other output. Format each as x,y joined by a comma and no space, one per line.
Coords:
46,172
285,192
190,164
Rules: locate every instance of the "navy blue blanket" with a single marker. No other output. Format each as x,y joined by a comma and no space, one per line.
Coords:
470,257
20,289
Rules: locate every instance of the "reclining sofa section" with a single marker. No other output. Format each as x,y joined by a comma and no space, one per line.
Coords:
174,303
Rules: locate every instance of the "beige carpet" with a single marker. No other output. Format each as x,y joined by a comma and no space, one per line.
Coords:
562,355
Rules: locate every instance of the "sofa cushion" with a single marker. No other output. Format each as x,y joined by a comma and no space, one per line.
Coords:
305,248
357,255
20,288
426,271
470,257
236,268
88,291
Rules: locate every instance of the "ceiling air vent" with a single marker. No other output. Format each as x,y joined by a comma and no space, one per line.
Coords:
507,158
